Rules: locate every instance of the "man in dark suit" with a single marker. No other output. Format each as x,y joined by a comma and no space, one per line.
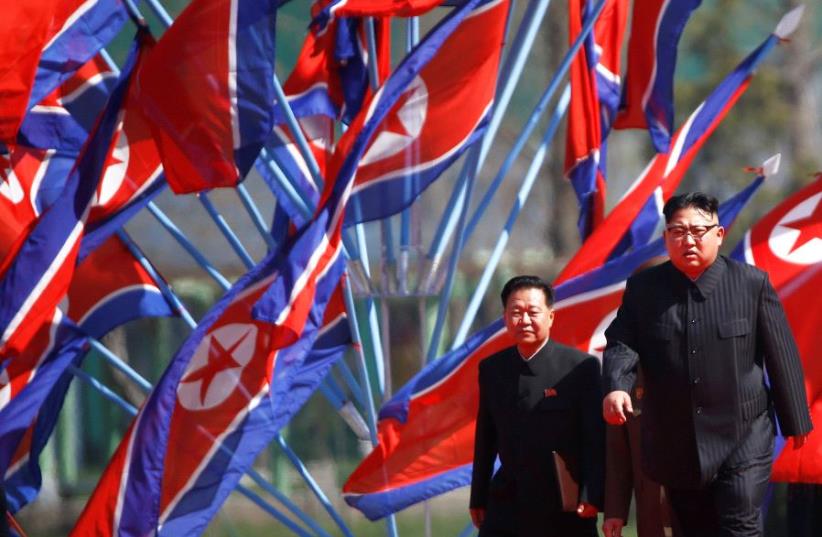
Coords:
704,329
536,397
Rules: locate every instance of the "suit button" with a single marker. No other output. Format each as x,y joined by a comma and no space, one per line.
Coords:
693,321
693,351
699,410
696,380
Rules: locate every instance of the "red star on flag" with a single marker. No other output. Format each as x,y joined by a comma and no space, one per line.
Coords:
809,228
393,123
219,359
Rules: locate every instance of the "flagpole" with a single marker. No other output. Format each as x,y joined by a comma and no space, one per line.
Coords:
226,230
519,203
539,109
445,294
412,37
510,75
256,217
180,237
391,522
161,284
388,259
312,484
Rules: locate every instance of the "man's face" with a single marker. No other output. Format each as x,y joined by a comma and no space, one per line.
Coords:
527,317
693,238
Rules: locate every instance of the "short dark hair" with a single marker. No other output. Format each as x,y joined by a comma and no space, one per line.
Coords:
527,282
698,200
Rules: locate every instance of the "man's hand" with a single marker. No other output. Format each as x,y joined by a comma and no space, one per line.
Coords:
586,510
612,527
477,516
616,406
799,440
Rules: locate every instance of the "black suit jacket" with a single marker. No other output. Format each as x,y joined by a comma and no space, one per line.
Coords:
704,347
561,412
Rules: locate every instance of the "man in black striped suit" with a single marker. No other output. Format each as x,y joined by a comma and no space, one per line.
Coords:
704,329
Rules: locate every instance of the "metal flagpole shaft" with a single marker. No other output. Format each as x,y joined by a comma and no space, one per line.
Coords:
522,196
312,484
178,235
445,294
412,37
256,217
158,280
226,230
510,74
120,365
536,114
366,383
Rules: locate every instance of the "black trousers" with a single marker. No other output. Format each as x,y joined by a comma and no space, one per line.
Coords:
533,513
730,506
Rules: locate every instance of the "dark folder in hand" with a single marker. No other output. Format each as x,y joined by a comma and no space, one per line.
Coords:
567,484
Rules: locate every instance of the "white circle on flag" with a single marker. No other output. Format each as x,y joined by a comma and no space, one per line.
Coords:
11,187
598,341
216,367
5,388
115,173
410,116
783,238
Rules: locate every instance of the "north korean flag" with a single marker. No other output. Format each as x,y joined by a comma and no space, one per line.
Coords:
34,179
207,89
19,56
595,88
109,288
281,155
430,110
227,389
63,119
787,244
44,43
425,432
36,274
648,95
632,222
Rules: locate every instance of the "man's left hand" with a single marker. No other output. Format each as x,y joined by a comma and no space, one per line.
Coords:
799,440
586,510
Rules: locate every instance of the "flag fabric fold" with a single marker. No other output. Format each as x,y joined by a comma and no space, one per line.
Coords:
229,388
632,222
434,105
595,85
648,95
207,90
37,272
